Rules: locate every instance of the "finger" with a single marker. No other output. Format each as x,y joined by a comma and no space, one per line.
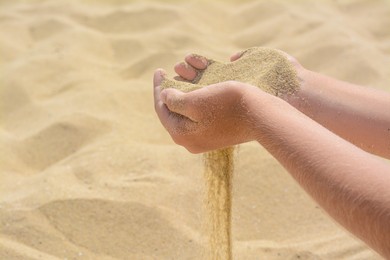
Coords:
196,61
158,77
179,127
236,56
175,124
185,71
176,102
159,106
179,78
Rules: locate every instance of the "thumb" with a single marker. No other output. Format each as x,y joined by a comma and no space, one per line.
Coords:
177,102
158,77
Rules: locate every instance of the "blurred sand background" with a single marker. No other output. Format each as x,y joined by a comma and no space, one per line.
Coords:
88,172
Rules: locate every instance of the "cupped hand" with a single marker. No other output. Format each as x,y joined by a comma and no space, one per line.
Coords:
206,119
213,117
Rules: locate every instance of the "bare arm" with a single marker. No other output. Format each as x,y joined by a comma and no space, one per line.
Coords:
358,114
349,183
352,185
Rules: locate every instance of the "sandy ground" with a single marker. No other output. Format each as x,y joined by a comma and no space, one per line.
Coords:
88,172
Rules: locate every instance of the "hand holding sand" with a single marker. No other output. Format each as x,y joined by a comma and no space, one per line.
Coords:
206,119
216,114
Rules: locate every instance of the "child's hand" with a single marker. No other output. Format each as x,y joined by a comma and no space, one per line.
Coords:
213,117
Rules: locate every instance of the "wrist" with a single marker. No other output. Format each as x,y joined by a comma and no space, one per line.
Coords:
257,106
299,98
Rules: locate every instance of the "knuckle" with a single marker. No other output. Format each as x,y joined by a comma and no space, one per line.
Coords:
167,97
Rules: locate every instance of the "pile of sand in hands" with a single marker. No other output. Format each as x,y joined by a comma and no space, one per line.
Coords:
265,68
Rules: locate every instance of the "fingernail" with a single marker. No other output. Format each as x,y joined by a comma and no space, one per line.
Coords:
241,53
201,59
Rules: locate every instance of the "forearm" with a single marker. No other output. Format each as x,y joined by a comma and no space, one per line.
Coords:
358,114
350,184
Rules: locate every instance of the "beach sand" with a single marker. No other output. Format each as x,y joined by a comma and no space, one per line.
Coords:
87,170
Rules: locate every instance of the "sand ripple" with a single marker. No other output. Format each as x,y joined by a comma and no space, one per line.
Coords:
88,172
